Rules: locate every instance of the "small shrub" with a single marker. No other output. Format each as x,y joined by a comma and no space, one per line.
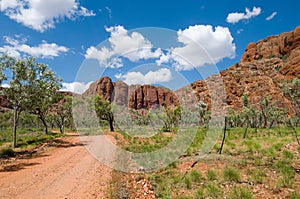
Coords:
278,146
164,191
195,176
288,155
231,174
238,193
213,191
8,152
183,197
211,175
294,195
173,165
199,194
287,175
188,182
258,176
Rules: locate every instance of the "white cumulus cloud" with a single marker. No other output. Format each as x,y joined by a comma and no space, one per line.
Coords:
271,16
16,48
158,76
133,46
75,87
236,16
202,45
5,86
41,15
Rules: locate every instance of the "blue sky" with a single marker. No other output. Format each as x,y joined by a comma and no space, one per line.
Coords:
66,36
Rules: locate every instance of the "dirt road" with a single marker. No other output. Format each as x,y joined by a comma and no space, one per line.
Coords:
67,171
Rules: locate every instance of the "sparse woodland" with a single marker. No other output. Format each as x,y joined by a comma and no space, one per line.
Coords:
256,155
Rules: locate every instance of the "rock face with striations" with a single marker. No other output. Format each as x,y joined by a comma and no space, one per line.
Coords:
133,96
263,68
103,86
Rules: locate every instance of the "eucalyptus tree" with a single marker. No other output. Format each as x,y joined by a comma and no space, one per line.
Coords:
103,111
32,87
43,90
61,113
292,91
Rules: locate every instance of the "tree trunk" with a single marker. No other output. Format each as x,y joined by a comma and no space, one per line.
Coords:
245,133
224,136
295,132
44,123
60,124
62,129
15,127
111,125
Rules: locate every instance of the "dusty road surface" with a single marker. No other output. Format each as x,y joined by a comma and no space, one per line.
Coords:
67,171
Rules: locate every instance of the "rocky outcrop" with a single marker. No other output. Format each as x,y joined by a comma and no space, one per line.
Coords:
148,96
263,68
285,47
5,104
133,96
103,86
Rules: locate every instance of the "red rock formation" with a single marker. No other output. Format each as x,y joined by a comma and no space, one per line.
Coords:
5,104
103,86
134,96
261,71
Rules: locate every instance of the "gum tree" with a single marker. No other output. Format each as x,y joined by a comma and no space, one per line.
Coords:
103,111
32,87
43,91
61,112
292,92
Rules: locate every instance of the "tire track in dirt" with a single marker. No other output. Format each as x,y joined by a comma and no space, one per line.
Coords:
69,172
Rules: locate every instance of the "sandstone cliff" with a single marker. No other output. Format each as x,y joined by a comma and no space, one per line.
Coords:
263,68
133,96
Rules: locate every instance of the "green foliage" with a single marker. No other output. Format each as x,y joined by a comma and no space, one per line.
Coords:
288,155
291,90
170,117
32,88
213,191
294,195
7,152
61,114
164,191
195,176
204,114
103,110
211,175
231,174
287,175
258,175
200,194
238,193
188,182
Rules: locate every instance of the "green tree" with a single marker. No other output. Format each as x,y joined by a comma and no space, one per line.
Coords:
43,90
61,113
170,117
292,91
32,87
204,114
249,115
103,110
18,87
270,113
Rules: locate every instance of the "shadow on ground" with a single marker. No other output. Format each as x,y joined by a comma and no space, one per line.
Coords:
17,167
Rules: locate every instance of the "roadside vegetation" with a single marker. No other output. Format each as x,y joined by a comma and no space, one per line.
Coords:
257,154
